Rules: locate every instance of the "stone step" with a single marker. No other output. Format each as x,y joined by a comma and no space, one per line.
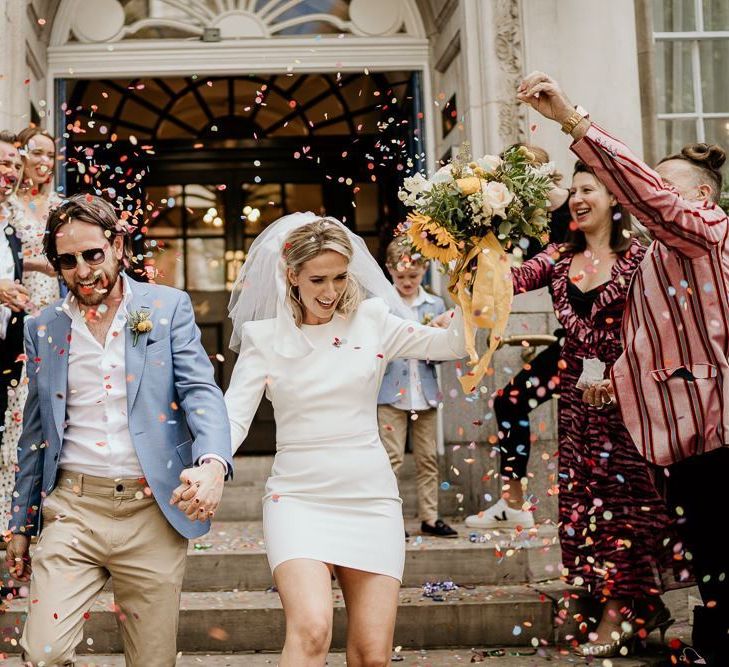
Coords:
254,620
232,557
514,657
242,497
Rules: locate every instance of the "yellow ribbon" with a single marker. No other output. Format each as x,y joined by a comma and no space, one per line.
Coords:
486,305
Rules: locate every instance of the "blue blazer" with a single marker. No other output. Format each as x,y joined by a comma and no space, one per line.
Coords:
396,374
167,367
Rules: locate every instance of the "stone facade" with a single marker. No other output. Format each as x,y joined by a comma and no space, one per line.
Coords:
477,50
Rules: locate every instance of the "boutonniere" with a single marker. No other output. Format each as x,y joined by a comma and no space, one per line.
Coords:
427,319
139,323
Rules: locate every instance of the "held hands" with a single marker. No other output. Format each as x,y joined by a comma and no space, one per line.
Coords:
201,488
14,295
17,557
544,95
599,395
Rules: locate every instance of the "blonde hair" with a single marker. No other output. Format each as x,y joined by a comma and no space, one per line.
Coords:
399,254
309,241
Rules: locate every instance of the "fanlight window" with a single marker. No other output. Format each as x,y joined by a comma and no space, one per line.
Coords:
214,20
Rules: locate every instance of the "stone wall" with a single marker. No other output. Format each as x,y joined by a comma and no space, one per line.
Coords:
471,453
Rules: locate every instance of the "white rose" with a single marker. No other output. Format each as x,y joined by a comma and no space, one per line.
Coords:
546,169
443,175
497,196
417,184
489,163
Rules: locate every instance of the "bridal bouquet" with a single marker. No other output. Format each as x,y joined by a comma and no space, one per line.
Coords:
469,213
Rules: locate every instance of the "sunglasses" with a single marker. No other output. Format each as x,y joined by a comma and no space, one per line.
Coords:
92,257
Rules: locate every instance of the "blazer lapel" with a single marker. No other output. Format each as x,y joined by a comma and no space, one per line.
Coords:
135,355
59,331
17,250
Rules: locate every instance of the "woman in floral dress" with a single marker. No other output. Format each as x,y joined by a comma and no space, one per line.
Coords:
35,197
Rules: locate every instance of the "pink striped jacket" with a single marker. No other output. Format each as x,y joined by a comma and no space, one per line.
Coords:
672,380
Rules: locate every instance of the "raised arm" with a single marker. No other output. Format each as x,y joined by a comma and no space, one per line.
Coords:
690,228
411,340
535,273
245,391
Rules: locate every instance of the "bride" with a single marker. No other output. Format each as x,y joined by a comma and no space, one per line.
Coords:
311,339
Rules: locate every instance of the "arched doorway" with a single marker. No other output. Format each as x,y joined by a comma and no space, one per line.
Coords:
207,156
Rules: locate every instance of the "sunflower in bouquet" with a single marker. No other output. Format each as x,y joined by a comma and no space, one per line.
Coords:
467,215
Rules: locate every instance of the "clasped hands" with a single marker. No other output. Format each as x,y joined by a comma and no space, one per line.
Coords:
600,394
200,490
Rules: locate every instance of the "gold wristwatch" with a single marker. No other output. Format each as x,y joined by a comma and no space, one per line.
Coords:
574,119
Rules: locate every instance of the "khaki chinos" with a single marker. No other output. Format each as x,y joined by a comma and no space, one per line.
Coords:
393,426
95,528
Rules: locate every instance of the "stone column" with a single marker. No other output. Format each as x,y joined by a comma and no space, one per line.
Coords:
492,45
13,69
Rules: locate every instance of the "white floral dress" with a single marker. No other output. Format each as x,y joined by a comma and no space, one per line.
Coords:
44,290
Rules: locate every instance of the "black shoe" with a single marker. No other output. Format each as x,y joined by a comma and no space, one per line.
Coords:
407,535
441,529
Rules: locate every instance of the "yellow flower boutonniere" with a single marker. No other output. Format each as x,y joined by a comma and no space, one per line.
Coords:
139,323
427,319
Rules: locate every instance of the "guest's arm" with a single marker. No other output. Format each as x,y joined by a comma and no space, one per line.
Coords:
691,228
536,272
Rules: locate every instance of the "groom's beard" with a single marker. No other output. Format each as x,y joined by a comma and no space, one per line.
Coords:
104,277
7,185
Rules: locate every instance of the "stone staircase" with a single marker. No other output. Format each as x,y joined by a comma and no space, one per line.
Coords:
506,594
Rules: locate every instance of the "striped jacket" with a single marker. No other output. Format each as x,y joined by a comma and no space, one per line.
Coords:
672,380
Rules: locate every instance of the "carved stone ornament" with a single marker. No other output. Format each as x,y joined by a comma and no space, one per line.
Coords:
508,46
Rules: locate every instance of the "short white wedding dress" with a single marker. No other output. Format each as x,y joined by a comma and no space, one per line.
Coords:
332,496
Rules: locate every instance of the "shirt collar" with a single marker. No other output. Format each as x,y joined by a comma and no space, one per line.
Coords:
71,308
423,297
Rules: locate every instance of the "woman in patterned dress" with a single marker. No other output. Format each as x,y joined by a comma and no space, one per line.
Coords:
613,522
34,199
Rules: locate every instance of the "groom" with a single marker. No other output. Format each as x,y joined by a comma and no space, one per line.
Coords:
122,406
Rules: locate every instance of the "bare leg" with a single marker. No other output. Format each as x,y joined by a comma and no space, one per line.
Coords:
371,601
305,588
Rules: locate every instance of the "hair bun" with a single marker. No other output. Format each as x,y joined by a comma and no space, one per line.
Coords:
710,156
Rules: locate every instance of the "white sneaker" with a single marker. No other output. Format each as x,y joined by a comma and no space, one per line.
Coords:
500,515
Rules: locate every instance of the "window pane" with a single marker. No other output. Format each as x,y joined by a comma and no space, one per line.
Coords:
166,217
166,264
674,134
304,197
206,264
675,85
716,15
262,205
367,211
205,210
674,15
714,73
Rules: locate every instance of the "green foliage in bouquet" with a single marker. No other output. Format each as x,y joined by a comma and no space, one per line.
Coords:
465,200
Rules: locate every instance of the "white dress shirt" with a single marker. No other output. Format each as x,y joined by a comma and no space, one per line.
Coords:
96,440
414,397
7,266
